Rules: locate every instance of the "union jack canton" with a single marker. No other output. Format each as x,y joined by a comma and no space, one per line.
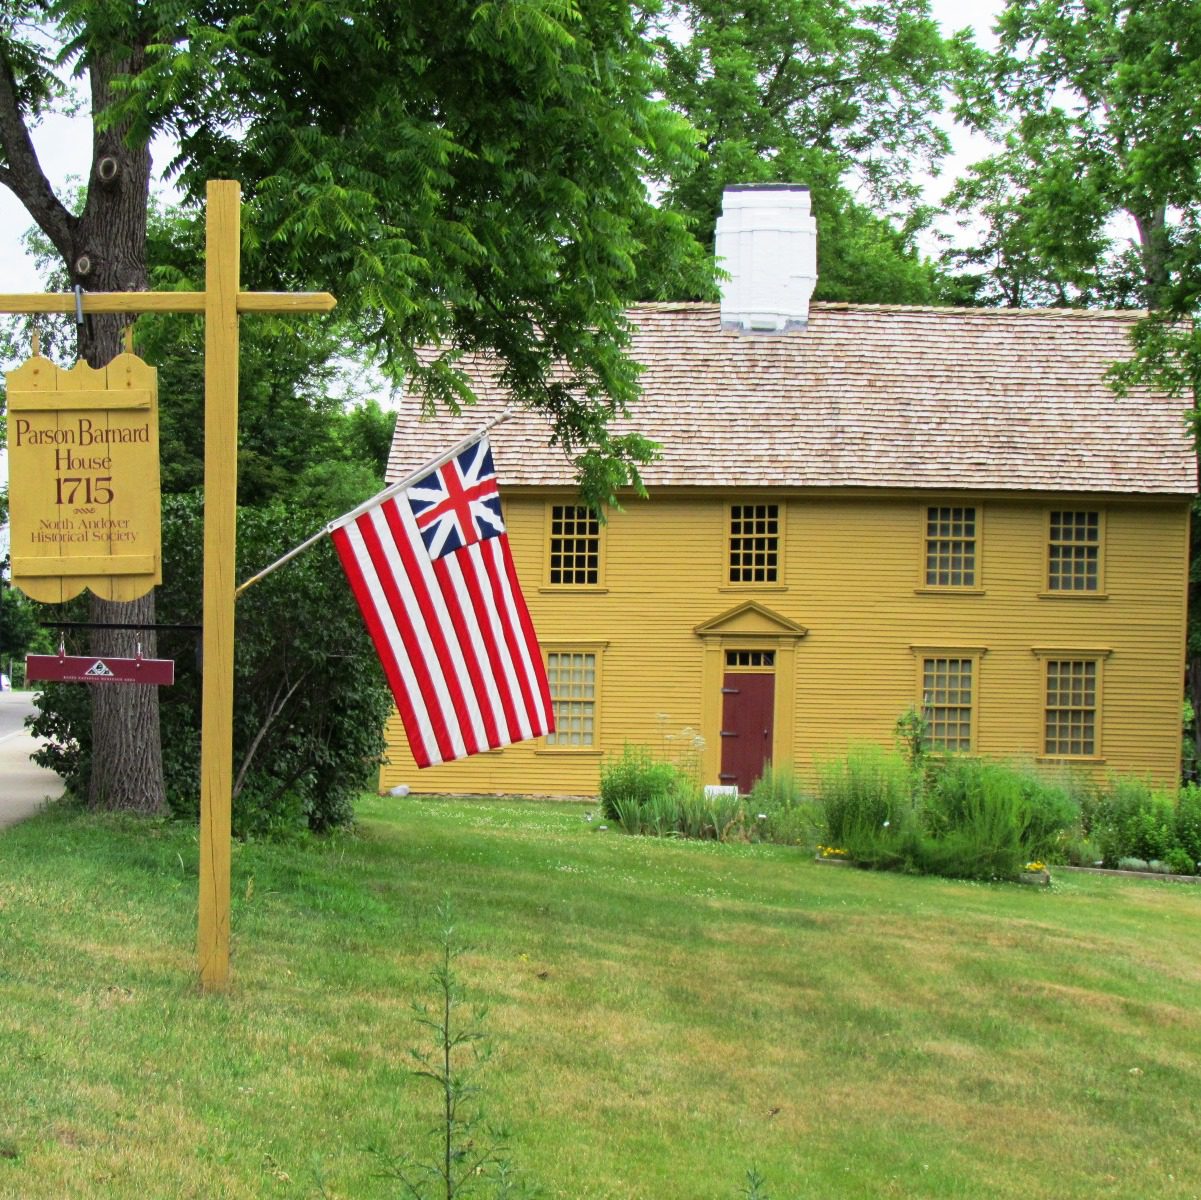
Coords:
458,504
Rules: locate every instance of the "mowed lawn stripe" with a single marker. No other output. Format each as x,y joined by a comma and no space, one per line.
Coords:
664,1015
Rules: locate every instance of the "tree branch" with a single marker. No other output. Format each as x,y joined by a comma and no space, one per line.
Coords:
23,174
769,92
277,706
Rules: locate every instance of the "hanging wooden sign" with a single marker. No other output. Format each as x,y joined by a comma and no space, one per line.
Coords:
79,668
84,479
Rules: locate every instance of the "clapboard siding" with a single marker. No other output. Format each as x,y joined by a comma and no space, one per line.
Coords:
852,577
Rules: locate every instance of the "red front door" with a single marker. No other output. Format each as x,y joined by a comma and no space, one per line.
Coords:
748,702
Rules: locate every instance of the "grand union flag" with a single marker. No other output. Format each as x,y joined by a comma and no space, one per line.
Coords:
431,570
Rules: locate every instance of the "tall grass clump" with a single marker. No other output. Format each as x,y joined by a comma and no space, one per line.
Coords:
636,781
1057,799
643,794
779,808
975,819
942,814
866,805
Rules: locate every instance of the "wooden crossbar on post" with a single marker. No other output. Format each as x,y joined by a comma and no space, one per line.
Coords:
221,303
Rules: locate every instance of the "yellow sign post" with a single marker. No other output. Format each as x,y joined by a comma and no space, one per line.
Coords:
84,479
221,303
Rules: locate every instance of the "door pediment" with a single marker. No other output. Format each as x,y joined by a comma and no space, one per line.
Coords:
750,619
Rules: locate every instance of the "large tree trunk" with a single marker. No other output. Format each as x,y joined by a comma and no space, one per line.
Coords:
104,249
109,255
1154,249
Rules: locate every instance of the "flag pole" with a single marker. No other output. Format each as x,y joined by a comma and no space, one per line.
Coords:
391,490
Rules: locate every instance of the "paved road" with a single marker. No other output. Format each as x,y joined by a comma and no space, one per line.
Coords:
24,786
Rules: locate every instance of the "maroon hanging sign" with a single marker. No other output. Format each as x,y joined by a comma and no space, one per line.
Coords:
81,668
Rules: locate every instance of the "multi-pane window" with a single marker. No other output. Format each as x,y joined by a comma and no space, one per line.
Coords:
947,702
572,679
1071,715
950,547
761,659
574,545
754,543
1074,552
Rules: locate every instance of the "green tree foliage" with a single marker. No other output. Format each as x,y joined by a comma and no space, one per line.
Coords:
478,188
466,174
20,631
1094,194
821,94
1096,111
309,699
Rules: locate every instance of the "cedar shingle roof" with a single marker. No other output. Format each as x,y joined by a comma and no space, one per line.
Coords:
867,396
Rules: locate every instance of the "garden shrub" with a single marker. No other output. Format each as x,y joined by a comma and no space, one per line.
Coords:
638,776
727,817
1129,820
643,794
694,816
625,812
951,815
661,814
1188,823
776,788
778,810
895,846
865,804
1179,862
867,789
1075,850
944,814
1052,815
976,815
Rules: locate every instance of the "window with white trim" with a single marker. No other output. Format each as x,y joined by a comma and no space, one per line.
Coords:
573,679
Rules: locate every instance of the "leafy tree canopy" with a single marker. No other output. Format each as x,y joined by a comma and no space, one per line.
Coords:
463,174
466,174
1096,110
1094,193
834,95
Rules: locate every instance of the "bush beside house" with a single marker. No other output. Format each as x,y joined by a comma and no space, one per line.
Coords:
951,815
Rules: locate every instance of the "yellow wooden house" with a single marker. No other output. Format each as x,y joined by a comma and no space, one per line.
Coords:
866,510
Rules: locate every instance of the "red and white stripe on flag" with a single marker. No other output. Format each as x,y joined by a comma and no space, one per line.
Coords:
452,631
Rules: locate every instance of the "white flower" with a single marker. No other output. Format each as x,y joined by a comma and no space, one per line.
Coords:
886,824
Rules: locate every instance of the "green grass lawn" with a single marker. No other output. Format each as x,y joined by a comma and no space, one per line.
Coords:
664,1016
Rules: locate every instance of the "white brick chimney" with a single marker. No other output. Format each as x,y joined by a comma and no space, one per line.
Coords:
767,241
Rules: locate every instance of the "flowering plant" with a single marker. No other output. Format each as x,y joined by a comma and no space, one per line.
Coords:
1037,865
830,852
